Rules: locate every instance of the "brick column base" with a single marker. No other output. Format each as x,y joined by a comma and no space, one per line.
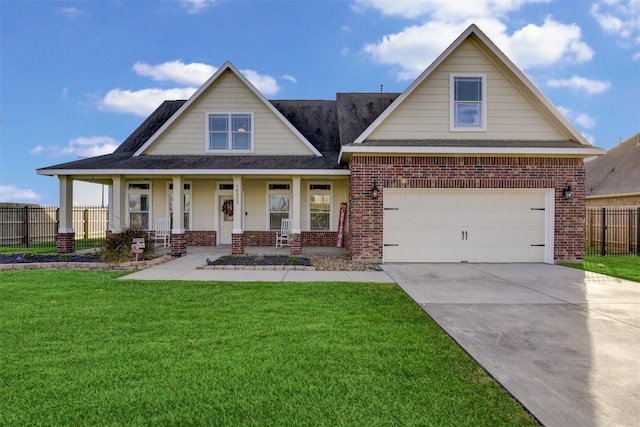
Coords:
178,244
237,244
296,244
66,243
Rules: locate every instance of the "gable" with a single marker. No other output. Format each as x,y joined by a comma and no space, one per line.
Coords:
228,93
512,113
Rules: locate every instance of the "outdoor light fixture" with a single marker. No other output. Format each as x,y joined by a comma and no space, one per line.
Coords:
374,190
568,191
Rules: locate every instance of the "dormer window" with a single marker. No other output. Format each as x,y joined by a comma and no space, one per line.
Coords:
230,132
468,103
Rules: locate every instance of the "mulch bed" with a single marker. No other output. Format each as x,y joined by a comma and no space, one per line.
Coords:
40,258
259,260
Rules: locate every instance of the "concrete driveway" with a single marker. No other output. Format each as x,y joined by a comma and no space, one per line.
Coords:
564,342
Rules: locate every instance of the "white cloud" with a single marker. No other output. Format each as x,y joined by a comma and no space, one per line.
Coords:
11,193
265,84
141,102
80,147
71,12
176,71
414,48
90,146
36,150
621,18
442,10
582,119
591,87
197,6
290,78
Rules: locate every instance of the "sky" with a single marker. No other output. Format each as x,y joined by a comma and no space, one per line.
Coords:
77,77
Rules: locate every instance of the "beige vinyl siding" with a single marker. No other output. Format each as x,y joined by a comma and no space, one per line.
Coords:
188,135
511,115
203,203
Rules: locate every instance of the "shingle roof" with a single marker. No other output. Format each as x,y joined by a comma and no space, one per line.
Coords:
617,172
325,124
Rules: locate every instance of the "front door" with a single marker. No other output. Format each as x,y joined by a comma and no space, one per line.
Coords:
226,220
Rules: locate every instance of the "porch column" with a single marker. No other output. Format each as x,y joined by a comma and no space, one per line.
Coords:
66,234
237,235
117,219
178,238
294,240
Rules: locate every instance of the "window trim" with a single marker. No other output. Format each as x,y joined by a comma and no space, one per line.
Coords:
452,104
270,192
328,192
146,191
184,191
229,149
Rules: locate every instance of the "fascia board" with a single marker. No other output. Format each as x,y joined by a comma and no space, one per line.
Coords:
226,66
610,196
204,172
347,152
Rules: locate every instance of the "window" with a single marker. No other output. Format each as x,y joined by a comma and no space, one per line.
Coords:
278,197
230,132
468,102
186,203
320,207
139,199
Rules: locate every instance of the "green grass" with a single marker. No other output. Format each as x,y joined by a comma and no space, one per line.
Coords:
624,267
85,349
23,250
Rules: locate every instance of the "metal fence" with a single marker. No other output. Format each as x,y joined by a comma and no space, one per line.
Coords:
612,231
30,226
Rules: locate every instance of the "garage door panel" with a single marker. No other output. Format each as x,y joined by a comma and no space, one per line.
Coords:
464,225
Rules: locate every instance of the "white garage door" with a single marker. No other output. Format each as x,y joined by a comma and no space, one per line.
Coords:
465,225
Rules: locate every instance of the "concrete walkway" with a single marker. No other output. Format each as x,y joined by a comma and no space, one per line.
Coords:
186,268
564,342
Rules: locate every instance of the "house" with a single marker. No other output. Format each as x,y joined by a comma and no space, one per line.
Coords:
470,163
613,180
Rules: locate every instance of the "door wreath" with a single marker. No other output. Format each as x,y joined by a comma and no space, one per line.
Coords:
227,207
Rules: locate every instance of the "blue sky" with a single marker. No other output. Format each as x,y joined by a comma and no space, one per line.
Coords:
77,77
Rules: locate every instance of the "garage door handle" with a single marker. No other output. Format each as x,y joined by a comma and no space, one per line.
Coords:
537,245
391,209
391,244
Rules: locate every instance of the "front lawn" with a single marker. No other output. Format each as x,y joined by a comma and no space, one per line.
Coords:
624,267
82,348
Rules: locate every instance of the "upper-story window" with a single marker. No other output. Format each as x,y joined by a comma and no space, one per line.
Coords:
230,132
468,102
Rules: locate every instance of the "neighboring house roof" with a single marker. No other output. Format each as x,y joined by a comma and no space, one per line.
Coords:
615,173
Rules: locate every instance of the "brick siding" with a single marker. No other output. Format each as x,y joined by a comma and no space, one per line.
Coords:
365,214
200,238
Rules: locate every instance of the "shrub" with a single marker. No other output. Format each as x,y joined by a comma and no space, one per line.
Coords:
117,246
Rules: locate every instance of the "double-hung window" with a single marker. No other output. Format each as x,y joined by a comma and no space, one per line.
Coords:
139,199
278,197
186,203
320,207
468,94
230,132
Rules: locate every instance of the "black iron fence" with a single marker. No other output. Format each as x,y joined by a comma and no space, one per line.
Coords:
612,231
30,226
